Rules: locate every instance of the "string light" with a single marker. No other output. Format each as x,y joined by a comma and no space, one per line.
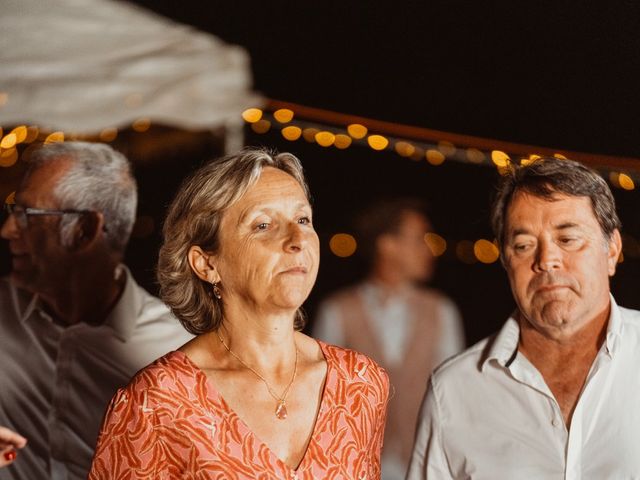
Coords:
252,115
283,115
291,133
357,131
377,142
343,245
325,139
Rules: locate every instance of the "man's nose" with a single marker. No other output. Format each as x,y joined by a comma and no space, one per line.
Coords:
10,229
548,257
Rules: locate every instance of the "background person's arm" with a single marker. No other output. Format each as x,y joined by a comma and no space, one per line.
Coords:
10,441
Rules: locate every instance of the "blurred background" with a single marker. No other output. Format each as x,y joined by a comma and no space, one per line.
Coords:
455,91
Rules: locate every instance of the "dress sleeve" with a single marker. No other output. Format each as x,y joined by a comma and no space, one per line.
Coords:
378,431
130,445
428,460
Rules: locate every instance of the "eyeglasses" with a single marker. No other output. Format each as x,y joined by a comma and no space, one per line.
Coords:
22,214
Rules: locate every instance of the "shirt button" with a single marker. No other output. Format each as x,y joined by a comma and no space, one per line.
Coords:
556,422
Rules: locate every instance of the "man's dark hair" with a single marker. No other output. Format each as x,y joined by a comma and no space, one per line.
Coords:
380,218
547,177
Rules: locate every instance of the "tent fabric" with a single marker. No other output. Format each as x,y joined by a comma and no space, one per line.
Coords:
85,65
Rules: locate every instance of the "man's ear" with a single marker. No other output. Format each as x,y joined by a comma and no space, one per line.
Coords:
86,230
203,264
614,249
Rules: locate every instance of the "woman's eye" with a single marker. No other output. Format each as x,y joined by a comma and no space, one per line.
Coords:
262,226
304,221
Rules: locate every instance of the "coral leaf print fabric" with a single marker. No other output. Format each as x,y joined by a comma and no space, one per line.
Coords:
170,422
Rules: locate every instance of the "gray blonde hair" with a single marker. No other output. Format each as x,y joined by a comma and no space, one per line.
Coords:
99,179
547,177
194,218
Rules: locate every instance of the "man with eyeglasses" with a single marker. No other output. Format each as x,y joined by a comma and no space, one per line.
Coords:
74,324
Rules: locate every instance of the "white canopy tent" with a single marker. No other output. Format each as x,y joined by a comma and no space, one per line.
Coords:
85,65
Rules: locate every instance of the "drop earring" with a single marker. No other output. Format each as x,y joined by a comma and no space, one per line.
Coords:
216,290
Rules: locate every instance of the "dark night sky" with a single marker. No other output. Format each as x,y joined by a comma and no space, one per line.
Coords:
559,74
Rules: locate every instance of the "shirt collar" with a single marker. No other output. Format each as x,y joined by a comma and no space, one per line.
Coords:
505,344
614,328
120,319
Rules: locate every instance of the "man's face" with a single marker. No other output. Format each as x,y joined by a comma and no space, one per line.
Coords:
410,251
39,261
558,262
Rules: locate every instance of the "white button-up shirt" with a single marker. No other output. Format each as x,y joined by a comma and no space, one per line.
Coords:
56,381
488,414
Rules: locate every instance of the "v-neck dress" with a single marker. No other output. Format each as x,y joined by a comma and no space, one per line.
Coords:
170,422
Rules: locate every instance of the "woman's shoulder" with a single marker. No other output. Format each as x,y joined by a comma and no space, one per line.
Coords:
169,372
354,365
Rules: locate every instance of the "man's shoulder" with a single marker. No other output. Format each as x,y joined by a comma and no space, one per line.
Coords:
468,362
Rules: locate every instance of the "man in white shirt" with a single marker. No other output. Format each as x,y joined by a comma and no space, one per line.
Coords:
405,327
555,393
74,325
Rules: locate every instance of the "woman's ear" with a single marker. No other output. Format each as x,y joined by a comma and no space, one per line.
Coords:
203,264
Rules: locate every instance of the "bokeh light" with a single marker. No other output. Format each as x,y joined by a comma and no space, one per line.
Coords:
486,251
343,245
342,141
11,198
291,133
54,137
141,125
261,126
435,157
357,131
109,134
9,141
500,159
475,156
252,115
448,149
325,139
283,115
377,142
404,149
309,134
436,243
8,157
626,181
21,133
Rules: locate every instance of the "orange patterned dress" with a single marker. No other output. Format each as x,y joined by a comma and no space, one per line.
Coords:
170,422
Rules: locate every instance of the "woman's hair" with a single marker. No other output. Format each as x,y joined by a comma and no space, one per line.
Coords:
194,218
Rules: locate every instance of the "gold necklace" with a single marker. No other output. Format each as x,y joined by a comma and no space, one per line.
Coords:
281,406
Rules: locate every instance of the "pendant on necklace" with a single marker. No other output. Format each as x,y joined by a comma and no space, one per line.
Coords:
281,410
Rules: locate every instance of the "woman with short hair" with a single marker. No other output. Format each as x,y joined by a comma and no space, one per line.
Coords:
250,396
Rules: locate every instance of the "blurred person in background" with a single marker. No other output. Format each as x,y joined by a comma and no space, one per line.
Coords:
74,324
391,317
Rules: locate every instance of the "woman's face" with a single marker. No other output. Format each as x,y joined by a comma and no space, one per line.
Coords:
269,251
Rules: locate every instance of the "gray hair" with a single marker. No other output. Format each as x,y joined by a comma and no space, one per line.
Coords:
99,179
547,177
194,218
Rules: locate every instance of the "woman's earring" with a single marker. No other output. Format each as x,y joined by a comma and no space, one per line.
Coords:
216,290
